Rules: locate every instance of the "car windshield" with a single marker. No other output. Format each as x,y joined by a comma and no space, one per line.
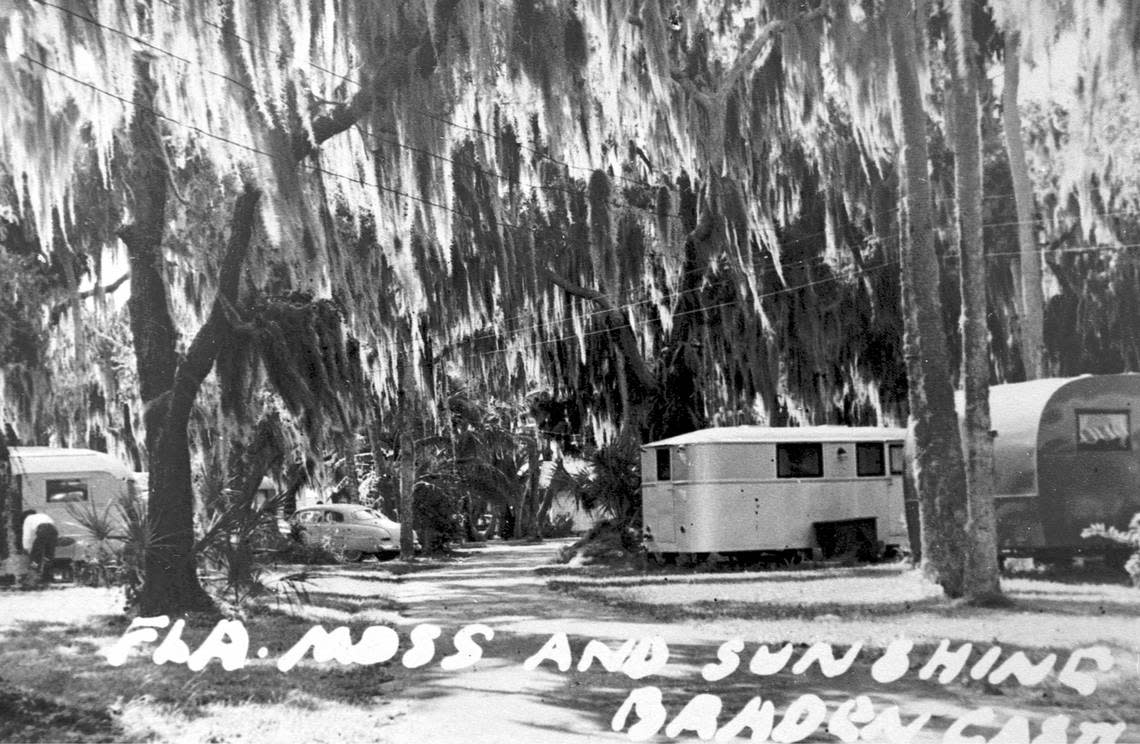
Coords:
368,515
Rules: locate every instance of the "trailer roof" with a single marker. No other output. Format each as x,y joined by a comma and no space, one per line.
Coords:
1015,407
39,460
759,434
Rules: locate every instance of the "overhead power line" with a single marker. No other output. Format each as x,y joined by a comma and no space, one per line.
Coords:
532,229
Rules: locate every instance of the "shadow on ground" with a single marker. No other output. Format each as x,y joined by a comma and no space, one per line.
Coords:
57,685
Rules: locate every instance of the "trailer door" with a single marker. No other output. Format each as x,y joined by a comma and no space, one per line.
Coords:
658,514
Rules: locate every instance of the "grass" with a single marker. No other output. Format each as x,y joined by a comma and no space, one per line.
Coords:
876,603
57,686
873,605
28,716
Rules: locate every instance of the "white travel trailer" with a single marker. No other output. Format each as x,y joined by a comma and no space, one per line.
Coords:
54,481
757,489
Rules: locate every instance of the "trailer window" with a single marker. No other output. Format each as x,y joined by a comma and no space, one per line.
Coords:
898,461
663,470
799,460
1103,430
869,459
62,491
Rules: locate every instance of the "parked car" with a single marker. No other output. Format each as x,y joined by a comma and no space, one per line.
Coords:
351,529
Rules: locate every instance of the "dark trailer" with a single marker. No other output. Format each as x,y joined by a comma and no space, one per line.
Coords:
1066,456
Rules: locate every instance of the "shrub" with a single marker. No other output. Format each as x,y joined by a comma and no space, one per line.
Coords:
226,549
610,543
1129,537
307,554
118,540
613,482
561,526
438,518
295,549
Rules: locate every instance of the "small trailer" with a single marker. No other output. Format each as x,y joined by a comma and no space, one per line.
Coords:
54,481
1066,456
819,490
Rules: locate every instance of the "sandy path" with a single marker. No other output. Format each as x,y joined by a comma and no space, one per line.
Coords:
499,701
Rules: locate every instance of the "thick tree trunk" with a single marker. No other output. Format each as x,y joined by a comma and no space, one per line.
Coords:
13,559
548,494
526,525
170,579
938,469
168,387
171,582
982,582
1032,315
518,528
407,455
541,519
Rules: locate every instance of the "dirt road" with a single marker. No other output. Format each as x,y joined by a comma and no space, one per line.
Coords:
498,700
51,644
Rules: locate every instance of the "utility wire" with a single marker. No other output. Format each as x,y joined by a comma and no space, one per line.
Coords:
352,81
399,193
705,308
460,213
852,272
520,183
145,43
432,154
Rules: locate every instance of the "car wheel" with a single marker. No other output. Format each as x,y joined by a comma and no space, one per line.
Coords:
353,556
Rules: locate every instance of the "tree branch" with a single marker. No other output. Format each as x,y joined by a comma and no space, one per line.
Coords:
700,96
578,290
107,288
703,229
617,324
199,360
746,60
340,119
394,68
233,317
62,307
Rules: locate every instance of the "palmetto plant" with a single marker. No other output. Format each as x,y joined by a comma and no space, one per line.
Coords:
118,541
1129,537
228,548
613,482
